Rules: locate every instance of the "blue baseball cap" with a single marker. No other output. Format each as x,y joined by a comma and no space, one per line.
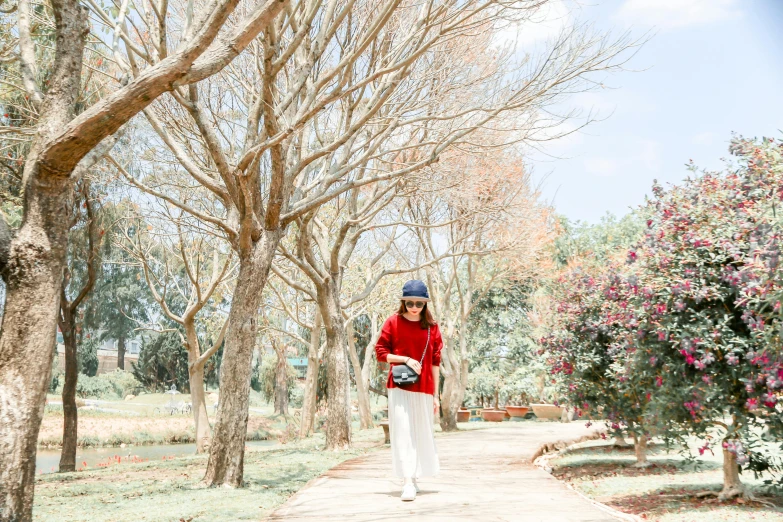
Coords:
415,289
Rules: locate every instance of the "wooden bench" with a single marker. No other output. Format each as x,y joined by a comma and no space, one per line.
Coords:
385,425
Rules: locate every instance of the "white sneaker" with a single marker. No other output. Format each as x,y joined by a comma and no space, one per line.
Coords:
416,485
408,492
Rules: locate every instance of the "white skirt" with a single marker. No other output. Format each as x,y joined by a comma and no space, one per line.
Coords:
411,430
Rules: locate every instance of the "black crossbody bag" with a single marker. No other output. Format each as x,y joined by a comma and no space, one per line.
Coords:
403,375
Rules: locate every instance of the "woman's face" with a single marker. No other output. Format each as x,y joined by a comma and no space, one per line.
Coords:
414,306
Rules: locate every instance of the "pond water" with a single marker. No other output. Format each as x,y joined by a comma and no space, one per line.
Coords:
47,461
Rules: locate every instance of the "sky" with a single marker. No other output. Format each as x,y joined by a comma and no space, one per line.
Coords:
710,68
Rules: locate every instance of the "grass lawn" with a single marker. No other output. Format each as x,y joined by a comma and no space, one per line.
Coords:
170,490
665,492
135,421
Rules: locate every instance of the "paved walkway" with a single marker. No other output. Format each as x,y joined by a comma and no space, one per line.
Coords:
486,475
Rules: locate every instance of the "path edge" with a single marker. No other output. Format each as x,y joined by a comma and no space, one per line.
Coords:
553,449
310,483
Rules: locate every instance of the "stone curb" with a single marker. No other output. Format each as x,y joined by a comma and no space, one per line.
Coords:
545,452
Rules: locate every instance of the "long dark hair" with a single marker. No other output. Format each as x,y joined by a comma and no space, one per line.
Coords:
426,317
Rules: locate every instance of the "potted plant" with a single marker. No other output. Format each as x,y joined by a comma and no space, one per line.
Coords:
493,415
463,414
518,388
547,411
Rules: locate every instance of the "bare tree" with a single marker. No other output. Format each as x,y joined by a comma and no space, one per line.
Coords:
37,250
329,88
190,269
496,229
67,320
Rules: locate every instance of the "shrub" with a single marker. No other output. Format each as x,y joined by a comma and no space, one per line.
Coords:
689,331
87,357
163,361
266,379
114,385
95,387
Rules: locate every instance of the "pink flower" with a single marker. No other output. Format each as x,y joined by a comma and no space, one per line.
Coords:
659,381
752,404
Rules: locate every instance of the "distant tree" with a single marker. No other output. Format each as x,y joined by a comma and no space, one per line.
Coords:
121,303
595,243
81,271
163,361
87,357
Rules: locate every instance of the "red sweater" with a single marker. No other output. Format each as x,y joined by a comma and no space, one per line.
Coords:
399,336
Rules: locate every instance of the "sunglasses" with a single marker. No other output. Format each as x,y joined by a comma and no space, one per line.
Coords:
415,304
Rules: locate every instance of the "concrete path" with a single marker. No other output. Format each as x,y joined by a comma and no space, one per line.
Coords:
486,475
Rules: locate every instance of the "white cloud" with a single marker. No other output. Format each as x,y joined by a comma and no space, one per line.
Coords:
545,23
601,167
650,154
704,138
670,14
641,154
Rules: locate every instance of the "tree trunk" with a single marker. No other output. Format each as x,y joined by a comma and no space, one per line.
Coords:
121,352
199,404
338,417
29,332
640,447
449,371
34,276
227,450
311,380
362,394
370,361
70,418
619,442
448,405
455,381
196,384
281,380
732,486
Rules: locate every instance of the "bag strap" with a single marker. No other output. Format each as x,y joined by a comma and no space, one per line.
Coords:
421,361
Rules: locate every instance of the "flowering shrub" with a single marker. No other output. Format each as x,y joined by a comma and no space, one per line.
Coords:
592,346
687,336
703,314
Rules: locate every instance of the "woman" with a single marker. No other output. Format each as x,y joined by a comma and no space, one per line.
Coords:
412,337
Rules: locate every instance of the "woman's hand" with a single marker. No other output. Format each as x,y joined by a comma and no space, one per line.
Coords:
435,404
414,365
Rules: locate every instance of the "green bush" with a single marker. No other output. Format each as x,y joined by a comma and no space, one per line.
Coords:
296,393
163,361
87,357
57,377
115,385
266,379
124,383
95,387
